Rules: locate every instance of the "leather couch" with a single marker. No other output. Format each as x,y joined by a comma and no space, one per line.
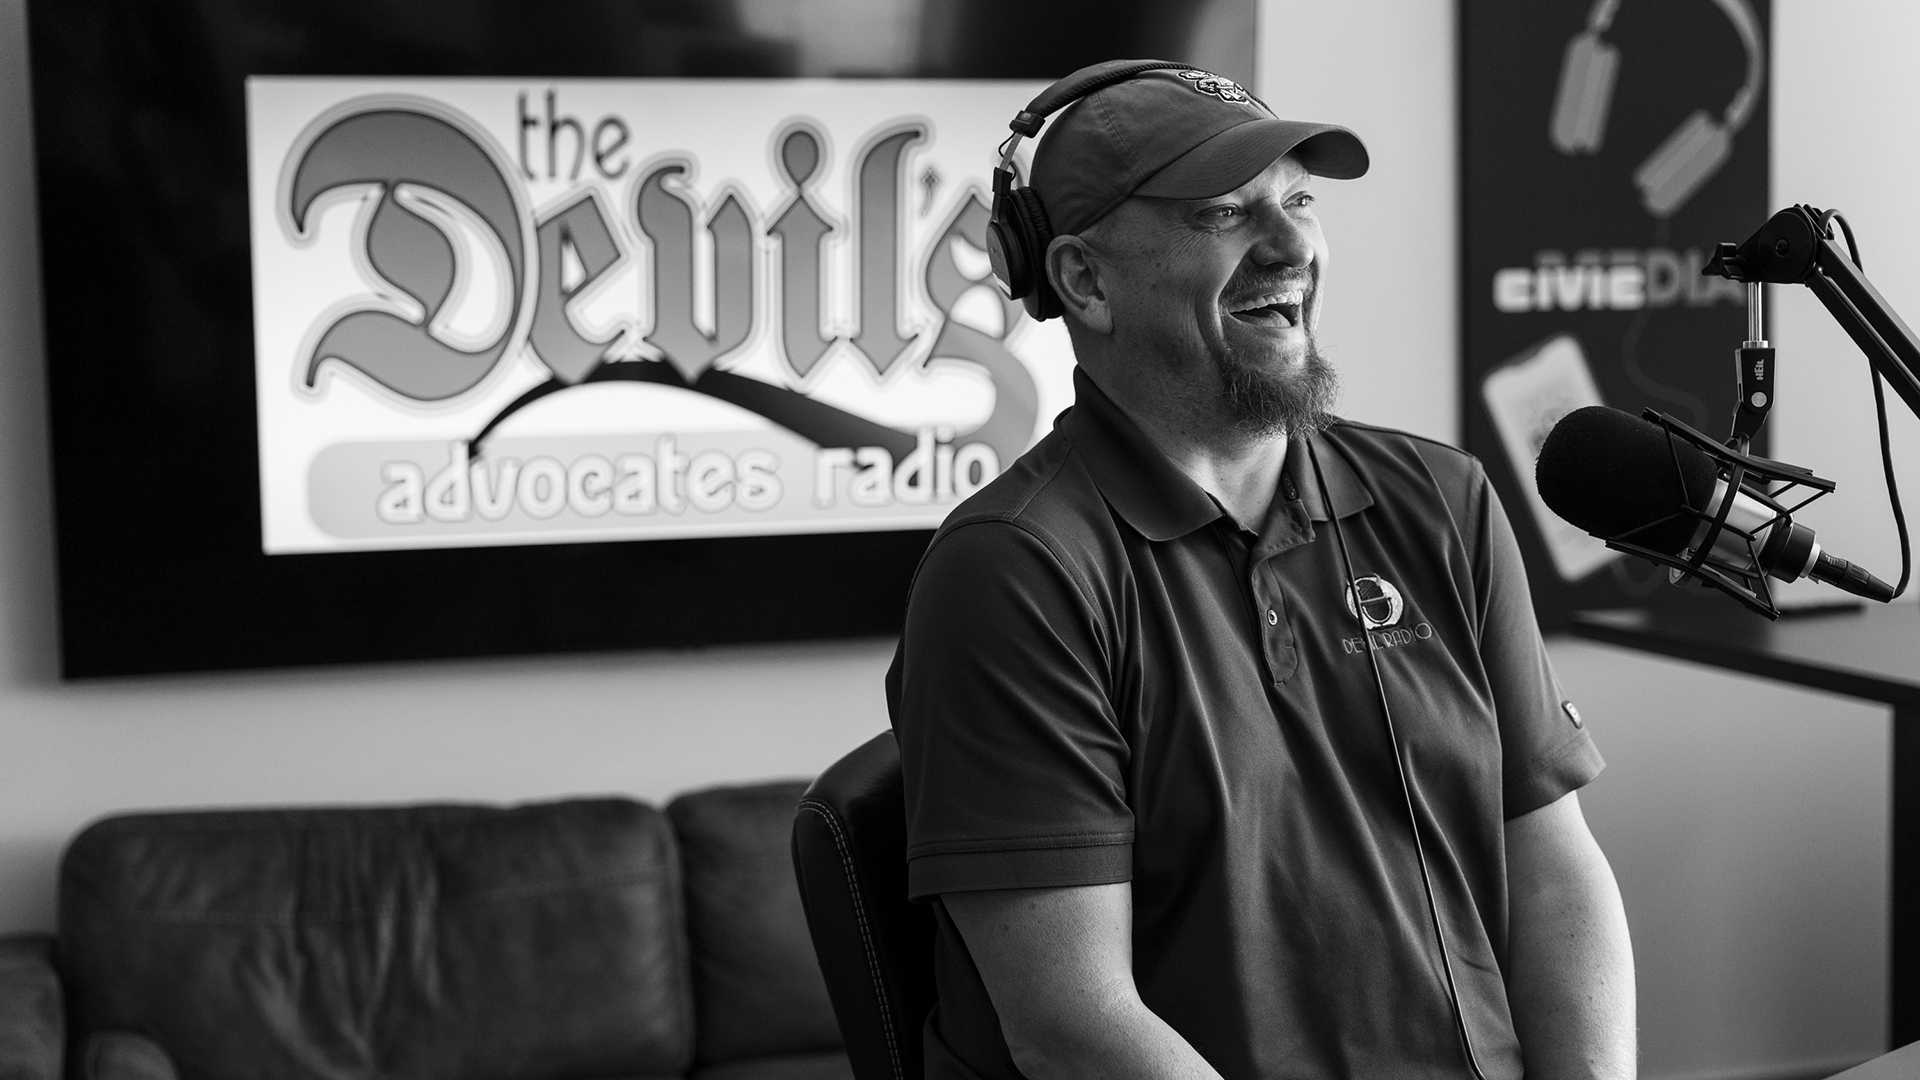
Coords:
595,939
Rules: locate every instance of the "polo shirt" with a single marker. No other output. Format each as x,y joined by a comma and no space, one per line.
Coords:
1103,678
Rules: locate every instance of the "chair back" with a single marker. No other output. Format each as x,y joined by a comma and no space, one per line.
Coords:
875,947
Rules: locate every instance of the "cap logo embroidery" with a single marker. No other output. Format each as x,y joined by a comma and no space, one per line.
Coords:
1219,86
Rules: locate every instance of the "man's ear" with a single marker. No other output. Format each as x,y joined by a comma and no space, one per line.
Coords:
1075,271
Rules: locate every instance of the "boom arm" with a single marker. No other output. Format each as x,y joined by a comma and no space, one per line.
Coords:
1795,247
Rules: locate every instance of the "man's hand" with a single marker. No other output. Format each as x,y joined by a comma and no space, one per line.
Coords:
1570,977
1058,964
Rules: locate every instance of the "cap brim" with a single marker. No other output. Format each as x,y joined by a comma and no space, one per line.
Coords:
1243,152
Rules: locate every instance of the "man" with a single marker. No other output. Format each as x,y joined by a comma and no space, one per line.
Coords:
1151,789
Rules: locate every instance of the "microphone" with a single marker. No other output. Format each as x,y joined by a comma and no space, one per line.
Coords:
1624,479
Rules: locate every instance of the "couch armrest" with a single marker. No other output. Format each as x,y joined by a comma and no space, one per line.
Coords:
33,1030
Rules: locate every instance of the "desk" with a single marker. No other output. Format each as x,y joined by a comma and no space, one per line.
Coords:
1873,654
1902,1064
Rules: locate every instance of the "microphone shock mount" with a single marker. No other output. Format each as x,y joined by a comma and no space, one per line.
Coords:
1766,481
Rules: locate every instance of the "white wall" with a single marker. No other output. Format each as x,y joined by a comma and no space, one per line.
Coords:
1746,822
1385,69
1844,99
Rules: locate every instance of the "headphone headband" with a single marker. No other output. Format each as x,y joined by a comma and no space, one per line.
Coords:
1018,231
1066,91
1083,82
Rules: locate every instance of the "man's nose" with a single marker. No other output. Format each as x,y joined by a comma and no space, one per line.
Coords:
1284,241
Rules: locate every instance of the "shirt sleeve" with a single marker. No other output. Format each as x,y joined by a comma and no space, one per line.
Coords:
1014,765
1545,749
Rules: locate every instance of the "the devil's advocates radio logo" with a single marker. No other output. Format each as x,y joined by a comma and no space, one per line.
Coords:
475,267
1380,606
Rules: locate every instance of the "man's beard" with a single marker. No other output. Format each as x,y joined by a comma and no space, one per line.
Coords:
1297,401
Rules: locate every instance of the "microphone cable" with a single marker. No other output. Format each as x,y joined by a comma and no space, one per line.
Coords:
1880,409
1399,766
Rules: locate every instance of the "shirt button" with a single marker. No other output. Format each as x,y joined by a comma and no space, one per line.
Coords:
1273,617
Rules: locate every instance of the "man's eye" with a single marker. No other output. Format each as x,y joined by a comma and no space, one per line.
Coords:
1304,199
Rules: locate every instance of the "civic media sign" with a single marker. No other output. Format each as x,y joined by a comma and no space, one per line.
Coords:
1607,146
493,311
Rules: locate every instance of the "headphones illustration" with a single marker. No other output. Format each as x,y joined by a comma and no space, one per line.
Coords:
1018,231
1686,159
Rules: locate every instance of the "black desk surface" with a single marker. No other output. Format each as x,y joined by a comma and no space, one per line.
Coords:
1872,652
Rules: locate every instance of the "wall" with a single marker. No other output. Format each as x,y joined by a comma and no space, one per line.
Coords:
1844,97
1746,822
1385,69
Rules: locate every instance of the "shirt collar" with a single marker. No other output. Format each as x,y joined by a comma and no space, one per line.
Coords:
1345,489
1137,480
1158,500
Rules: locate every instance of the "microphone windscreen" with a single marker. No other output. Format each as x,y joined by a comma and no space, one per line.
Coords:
1610,472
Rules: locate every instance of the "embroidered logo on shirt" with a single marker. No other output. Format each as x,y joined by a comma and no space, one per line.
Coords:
1376,601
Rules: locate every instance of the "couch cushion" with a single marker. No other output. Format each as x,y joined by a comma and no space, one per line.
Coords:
757,987
817,1065
541,941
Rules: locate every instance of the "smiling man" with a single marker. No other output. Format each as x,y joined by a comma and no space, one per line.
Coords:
1152,790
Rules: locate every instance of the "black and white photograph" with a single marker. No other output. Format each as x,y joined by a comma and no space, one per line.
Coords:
959,540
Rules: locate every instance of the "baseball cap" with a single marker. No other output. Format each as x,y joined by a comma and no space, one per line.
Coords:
1173,133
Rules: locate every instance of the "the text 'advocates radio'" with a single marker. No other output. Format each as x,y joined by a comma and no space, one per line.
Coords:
494,311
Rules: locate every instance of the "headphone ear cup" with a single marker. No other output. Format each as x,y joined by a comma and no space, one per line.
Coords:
1585,95
1030,218
1682,163
1010,264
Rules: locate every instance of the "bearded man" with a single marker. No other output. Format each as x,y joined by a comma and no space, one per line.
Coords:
1171,822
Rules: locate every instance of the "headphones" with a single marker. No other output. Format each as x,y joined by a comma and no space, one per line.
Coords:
1685,159
1018,231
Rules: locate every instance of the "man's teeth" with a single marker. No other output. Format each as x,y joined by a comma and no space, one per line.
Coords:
1279,299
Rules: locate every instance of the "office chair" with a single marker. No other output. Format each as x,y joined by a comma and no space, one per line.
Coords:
875,947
